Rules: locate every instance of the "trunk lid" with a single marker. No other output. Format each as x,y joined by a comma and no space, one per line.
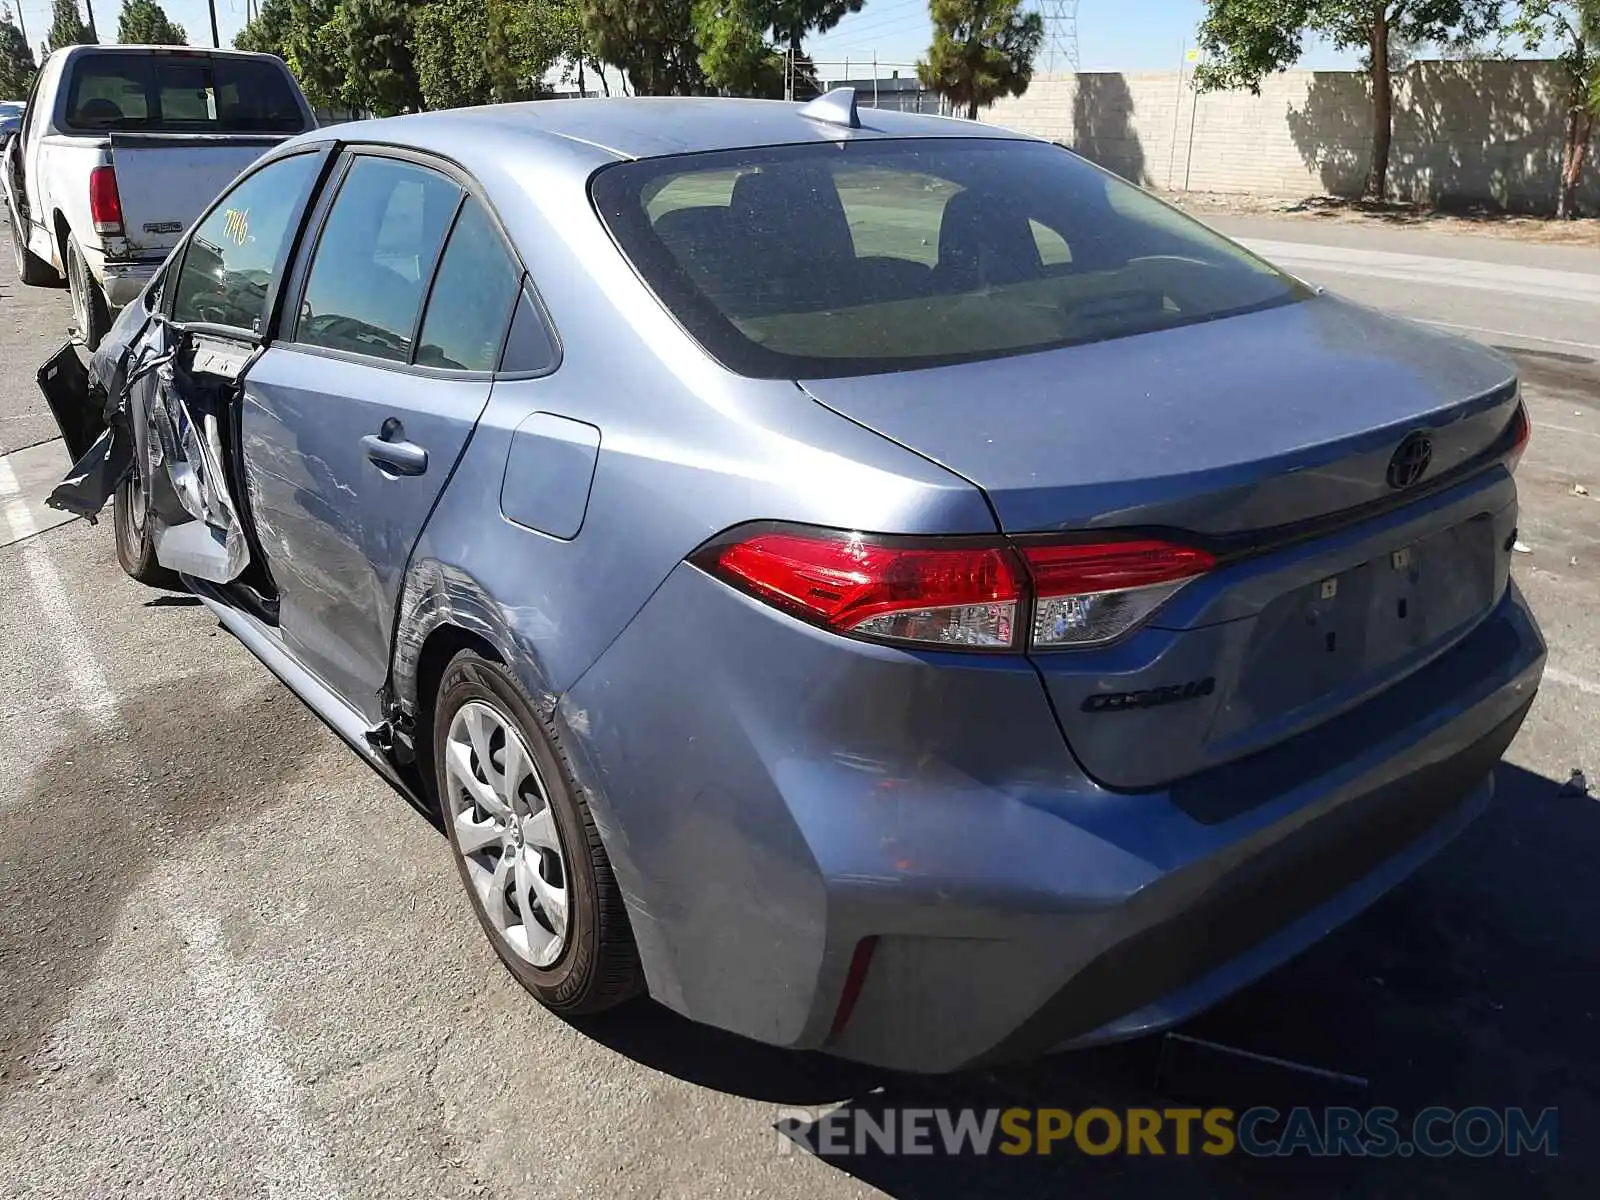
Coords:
1269,437
1224,427
165,180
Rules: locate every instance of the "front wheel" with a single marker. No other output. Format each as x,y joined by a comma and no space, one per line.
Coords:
526,845
89,308
136,548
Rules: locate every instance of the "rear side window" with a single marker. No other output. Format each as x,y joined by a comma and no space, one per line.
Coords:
374,257
237,251
530,347
878,255
470,305
181,91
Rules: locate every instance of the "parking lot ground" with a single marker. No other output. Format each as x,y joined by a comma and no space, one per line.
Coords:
234,964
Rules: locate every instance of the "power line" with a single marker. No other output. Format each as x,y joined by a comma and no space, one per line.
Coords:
879,19
1060,34
868,43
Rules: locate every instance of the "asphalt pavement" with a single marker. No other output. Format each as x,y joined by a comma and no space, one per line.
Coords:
235,964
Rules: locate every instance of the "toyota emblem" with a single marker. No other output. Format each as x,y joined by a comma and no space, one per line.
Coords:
1411,459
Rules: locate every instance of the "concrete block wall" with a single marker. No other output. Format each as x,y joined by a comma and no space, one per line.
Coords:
1464,132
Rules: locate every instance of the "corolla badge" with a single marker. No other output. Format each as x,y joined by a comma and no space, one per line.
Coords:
1150,697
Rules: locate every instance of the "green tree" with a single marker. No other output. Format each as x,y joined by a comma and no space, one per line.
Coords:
652,40
452,65
734,50
744,42
527,40
67,27
1574,26
145,23
17,67
319,51
791,20
268,33
1244,40
309,35
378,41
561,38
982,50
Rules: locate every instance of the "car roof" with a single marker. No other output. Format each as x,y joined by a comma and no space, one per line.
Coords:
647,127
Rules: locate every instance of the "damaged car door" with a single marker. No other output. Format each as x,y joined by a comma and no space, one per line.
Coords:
163,390
355,415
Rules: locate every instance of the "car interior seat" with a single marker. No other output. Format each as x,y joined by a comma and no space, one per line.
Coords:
984,242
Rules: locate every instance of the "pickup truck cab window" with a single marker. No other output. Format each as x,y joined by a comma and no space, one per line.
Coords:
181,91
375,257
237,251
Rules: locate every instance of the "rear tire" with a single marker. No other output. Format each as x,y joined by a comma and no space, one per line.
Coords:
89,307
136,547
31,269
585,962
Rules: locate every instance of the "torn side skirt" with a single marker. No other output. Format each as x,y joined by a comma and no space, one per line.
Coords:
95,476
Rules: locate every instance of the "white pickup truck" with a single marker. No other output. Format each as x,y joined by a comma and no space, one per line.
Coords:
120,148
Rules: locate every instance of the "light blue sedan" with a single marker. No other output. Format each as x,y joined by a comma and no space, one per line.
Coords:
875,583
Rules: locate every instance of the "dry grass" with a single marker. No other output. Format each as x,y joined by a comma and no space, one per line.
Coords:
1544,230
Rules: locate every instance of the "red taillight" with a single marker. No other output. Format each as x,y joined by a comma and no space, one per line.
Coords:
1112,566
1524,430
852,584
854,979
958,595
1089,593
105,204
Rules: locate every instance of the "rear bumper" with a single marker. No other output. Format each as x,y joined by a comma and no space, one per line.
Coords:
771,796
124,281
121,279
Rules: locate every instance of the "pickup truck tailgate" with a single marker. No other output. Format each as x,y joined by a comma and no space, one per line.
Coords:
166,180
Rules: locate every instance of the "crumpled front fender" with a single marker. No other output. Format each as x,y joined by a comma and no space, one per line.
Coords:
135,407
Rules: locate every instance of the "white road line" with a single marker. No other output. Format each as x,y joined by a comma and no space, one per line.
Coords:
1427,269
1508,333
90,691
1567,679
294,1165
1566,429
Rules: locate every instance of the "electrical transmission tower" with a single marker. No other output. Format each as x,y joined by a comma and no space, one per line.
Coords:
1060,35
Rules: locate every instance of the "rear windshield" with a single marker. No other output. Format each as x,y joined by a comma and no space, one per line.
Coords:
874,255
184,92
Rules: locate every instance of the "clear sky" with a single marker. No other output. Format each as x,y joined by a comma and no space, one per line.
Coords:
1113,35
191,14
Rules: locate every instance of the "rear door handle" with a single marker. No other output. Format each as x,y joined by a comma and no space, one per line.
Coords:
396,457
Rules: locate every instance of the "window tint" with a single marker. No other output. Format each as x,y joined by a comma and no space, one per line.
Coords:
182,91
233,254
841,259
529,346
471,300
893,214
1052,246
109,91
373,259
690,191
